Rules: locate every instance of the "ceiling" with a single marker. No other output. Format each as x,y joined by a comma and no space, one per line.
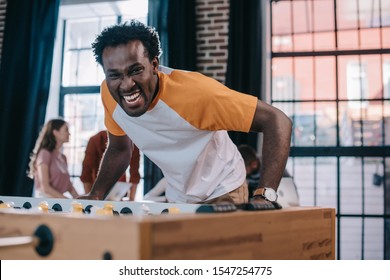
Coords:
97,8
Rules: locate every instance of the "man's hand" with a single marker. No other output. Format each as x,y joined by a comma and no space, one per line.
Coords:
260,199
258,202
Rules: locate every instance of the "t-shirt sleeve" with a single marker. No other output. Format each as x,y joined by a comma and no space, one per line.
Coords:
208,104
43,157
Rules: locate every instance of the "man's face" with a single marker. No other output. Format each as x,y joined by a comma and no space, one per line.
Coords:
131,78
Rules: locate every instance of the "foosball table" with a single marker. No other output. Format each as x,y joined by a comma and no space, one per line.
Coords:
32,228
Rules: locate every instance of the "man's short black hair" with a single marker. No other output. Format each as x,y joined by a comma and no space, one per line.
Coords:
119,34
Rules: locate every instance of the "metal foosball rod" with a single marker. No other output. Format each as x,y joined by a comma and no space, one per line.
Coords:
42,240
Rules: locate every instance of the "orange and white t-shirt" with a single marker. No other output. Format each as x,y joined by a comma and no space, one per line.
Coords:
184,133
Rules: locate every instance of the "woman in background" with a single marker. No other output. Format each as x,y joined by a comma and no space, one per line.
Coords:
48,166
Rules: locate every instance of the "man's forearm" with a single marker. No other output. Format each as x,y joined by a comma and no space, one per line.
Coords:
275,152
276,128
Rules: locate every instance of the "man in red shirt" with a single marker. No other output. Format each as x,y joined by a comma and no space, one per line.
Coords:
93,154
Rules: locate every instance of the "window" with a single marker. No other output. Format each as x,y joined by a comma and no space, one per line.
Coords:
337,52
285,87
386,79
357,84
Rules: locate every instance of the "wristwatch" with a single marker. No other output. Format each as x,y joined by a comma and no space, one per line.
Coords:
268,193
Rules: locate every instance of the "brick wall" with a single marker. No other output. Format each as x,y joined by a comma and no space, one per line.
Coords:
3,5
212,19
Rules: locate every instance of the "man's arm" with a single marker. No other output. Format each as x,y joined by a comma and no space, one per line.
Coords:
134,173
276,128
135,177
114,163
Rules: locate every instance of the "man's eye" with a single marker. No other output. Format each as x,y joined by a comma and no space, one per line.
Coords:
113,76
136,71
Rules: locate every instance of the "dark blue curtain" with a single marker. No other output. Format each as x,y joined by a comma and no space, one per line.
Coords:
182,34
25,72
244,67
158,18
174,21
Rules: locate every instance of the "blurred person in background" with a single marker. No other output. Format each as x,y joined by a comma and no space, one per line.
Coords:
48,165
96,147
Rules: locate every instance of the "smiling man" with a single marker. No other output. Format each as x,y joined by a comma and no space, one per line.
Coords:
180,119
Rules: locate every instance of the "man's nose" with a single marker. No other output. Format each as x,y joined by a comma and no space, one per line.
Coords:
127,83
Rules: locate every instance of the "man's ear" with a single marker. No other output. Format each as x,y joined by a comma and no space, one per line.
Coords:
155,64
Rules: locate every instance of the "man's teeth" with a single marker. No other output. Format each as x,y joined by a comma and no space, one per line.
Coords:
131,98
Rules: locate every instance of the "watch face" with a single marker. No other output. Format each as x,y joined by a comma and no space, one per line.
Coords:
270,194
